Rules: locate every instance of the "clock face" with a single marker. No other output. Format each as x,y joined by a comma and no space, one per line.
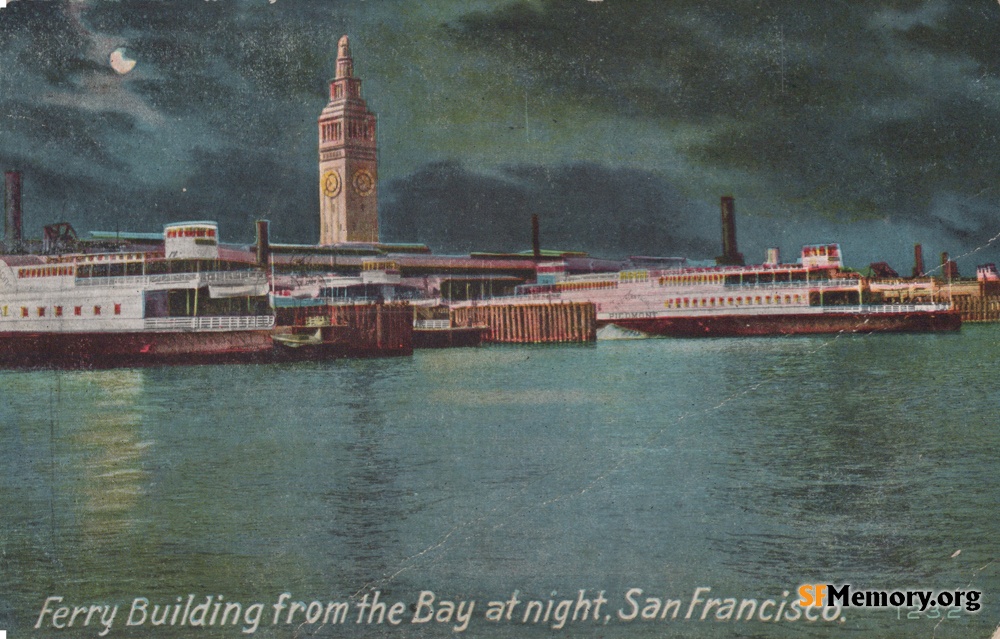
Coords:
364,182
331,184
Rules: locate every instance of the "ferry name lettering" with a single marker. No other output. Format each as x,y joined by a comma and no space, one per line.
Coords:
632,314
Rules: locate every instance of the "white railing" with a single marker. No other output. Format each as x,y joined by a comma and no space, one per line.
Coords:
222,323
817,284
435,324
888,308
196,279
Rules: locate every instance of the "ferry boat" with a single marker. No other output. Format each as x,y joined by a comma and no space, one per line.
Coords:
814,295
187,302
324,316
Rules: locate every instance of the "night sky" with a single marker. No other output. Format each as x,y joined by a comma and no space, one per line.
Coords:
619,122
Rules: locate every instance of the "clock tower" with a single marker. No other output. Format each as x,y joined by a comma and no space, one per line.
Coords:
348,165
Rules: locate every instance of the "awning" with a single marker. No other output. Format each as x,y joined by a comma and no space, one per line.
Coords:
216,291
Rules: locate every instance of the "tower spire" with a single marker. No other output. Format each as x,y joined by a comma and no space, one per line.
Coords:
345,65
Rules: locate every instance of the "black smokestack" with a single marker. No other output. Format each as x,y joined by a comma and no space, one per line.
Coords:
918,261
731,255
536,245
263,243
949,268
12,205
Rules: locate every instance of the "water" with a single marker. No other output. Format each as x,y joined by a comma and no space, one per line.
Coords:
748,466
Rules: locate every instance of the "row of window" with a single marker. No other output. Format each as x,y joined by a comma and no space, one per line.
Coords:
811,251
194,231
45,271
583,286
357,130
691,279
380,265
333,131
633,276
62,271
711,302
98,257
742,279
57,311
338,91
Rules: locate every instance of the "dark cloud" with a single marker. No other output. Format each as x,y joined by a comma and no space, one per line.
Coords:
962,30
684,60
44,37
826,121
254,185
70,132
52,195
215,56
610,212
849,110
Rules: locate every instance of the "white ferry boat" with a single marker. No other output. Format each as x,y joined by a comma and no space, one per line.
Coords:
814,295
188,302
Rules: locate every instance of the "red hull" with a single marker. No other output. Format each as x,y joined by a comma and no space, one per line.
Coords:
763,325
105,350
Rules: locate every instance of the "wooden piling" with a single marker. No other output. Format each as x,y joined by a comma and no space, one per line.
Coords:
531,323
978,309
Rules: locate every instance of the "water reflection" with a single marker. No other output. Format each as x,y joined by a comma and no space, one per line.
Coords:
107,477
367,500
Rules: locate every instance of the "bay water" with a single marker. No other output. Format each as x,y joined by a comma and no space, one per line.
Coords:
618,477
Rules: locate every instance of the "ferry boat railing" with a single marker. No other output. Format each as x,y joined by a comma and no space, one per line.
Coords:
888,308
209,323
813,284
249,277
735,286
432,324
511,298
281,301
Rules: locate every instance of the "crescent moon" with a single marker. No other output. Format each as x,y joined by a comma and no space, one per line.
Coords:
121,63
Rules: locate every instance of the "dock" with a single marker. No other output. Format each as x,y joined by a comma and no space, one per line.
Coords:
978,309
507,322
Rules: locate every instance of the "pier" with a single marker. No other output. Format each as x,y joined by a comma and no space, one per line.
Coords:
352,330
978,309
530,323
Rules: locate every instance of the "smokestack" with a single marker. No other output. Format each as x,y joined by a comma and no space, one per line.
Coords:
730,254
263,243
12,205
949,268
536,245
918,260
